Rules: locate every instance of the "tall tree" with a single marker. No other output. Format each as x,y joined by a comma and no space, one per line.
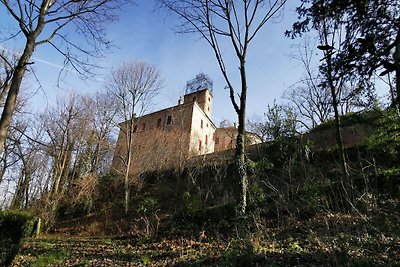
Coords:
377,47
330,33
238,22
337,74
134,84
66,127
371,41
313,102
6,73
50,22
28,153
104,114
60,156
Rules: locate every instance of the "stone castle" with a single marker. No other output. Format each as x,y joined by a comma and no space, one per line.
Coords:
167,138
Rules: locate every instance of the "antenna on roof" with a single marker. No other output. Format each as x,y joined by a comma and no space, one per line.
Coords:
201,82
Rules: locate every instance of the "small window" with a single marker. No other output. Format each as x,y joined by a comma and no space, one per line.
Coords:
143,126
135,128
217,141
206,142
209,99
201,124
159,123
169,119
208,108
207,125
199,145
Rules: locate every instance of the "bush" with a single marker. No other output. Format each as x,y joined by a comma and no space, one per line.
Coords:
147,206
240,254
257,196
314,198
384,144
388,181
212,216
14,226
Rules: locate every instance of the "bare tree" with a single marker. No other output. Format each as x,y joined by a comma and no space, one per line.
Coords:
59,156
238,22
28,151
49,22
329,33
105,114
134,84
98,115
313,103
6,73
67,129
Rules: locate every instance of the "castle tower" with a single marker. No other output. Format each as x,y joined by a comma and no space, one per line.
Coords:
200,90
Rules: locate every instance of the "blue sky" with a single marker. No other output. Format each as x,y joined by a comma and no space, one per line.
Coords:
145,34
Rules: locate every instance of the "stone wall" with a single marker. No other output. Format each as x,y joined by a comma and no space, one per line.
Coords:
352,135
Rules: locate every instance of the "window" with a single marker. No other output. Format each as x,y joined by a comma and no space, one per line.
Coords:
158,122
143,126
207,125
217,141
208,108
199,145
194,99
169,120
206,142
135,128
201,124
209,99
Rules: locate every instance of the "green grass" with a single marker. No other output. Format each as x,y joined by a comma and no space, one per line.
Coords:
53,257
127,256
44,245
106,241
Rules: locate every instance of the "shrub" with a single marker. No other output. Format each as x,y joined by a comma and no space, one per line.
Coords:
257,195
53,258
388,181
14,226
147,206
313,198
240,254
192,203
211,216
384,144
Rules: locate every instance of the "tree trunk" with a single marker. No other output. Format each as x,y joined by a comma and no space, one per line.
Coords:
344,178
241,184
19,71
16,202
128,164
335,103
339,138
11,101
126,180
396,57
60,174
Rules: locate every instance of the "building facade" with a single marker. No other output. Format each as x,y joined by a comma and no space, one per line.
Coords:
167,138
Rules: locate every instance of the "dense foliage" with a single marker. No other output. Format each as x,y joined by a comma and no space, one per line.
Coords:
371,37
14,225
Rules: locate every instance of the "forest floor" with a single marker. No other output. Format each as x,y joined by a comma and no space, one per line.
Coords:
330,239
